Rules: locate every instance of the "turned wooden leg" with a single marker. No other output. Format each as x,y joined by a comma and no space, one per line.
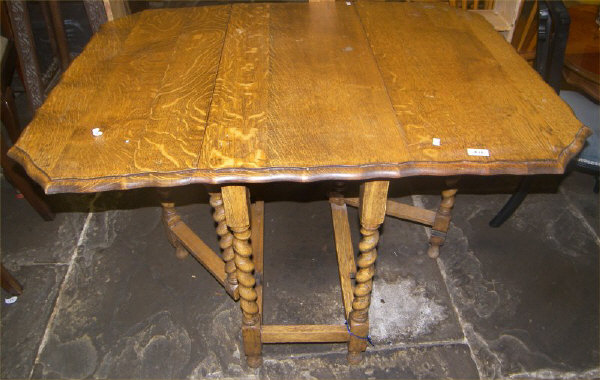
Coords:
373,197
442,220
237,216
170,219
225,240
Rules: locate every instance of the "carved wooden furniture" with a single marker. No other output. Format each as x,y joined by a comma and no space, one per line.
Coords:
39,80
11,130
582,60
502,14
552,34
245,93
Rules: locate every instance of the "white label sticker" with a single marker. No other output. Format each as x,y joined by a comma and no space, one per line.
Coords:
478,152
348,3
436,141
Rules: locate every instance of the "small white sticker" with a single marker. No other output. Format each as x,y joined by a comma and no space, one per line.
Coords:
10,300
348,3
96,132
436,141
478,152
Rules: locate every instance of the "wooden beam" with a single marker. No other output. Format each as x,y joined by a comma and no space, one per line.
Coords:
345,253
116,9
402,211
304,334
257,226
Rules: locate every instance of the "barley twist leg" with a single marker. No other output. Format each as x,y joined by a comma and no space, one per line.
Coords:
359,317
237,216
170,219
441,223
225,239
372,213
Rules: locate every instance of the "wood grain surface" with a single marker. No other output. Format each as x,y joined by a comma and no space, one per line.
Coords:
296,92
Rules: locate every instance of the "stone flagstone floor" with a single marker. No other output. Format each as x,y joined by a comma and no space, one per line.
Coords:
106,298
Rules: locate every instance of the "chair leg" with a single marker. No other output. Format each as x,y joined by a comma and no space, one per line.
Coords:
9,283
513,203
25,185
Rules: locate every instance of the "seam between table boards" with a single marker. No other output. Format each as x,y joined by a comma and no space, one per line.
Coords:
212,97
381,78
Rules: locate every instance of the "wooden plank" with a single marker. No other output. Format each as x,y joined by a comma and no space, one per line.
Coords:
498,22
257,218
146,82
373,195
509,11
257,225
402,211
304,92
116,9
480,95
298,88
206,256
304,333
345,253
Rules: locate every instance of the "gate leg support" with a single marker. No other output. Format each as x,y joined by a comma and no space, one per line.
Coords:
237,216
170,219
442,219
373,197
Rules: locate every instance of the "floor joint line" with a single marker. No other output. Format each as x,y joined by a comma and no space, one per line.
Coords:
71,263
418,201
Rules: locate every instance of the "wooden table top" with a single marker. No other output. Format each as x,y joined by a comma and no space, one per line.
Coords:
295,92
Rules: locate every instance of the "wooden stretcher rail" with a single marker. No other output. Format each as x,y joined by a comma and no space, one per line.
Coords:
344,250
304,333
206,256
402,211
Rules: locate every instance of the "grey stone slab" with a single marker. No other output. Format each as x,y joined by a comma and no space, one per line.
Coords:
450,362
24,322
28,239
410,303
527,292
131,309
578,188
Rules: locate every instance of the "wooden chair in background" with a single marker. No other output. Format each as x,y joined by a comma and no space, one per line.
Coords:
502,14
39,81
19,53
11,130
552,27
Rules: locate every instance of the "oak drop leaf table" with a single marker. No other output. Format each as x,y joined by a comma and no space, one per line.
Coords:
234,94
